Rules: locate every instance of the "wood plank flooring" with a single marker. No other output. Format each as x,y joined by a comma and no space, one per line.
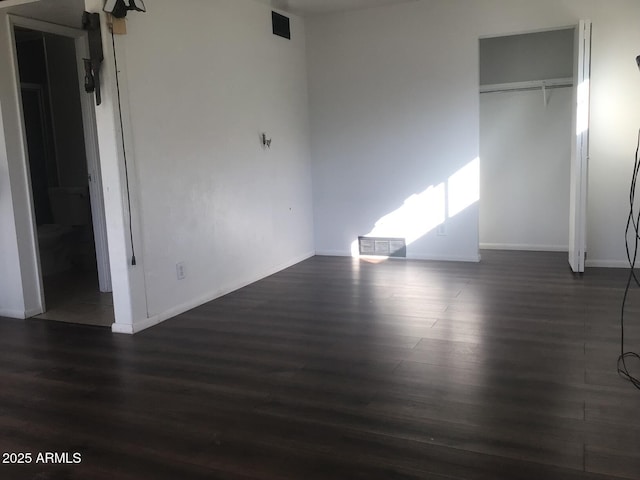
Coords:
342,369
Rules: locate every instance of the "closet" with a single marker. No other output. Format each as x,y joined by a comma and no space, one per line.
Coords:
525,149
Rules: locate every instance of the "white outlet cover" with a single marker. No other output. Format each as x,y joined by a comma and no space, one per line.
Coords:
180,271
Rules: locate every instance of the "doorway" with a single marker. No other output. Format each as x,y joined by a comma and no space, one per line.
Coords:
67,206
526,114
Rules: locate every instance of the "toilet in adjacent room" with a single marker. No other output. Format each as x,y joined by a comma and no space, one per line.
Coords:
71,208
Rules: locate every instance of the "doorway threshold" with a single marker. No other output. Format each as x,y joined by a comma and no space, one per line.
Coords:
74,297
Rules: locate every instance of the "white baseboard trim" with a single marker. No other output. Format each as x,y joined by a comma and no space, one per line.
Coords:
33,312
185,307
333,253
446,258
12,314
122,328
607,263
525,247
437,258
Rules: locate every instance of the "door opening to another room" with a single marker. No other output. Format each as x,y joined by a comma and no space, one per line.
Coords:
67,212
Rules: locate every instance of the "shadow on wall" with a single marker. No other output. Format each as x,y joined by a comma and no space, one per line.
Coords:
423,212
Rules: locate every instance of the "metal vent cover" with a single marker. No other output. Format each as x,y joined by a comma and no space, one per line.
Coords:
281,25
383,246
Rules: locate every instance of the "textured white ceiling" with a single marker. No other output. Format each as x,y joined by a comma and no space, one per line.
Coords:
318,7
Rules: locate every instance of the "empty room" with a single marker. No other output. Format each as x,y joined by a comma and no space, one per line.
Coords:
324,239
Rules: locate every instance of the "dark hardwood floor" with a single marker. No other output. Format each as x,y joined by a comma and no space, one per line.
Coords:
341,369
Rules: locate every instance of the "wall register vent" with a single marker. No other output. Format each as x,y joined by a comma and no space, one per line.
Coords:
281,25
384,247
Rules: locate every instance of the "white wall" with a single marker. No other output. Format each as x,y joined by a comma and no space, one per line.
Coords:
525,150
395,108
204,79
394,105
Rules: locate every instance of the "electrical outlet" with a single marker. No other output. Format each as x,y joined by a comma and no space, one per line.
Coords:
180,273
441,231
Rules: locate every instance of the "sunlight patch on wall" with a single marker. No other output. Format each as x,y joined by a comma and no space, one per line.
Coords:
464,188
419,214
423,212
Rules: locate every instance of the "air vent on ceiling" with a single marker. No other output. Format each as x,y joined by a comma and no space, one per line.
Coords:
382,246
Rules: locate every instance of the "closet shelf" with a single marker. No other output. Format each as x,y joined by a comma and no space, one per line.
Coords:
530,85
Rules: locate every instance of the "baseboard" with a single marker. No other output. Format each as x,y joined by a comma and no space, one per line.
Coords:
122,328
333,253
13,314
33,312
185,307
438,258
446,258
607,263
525,247
142,324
